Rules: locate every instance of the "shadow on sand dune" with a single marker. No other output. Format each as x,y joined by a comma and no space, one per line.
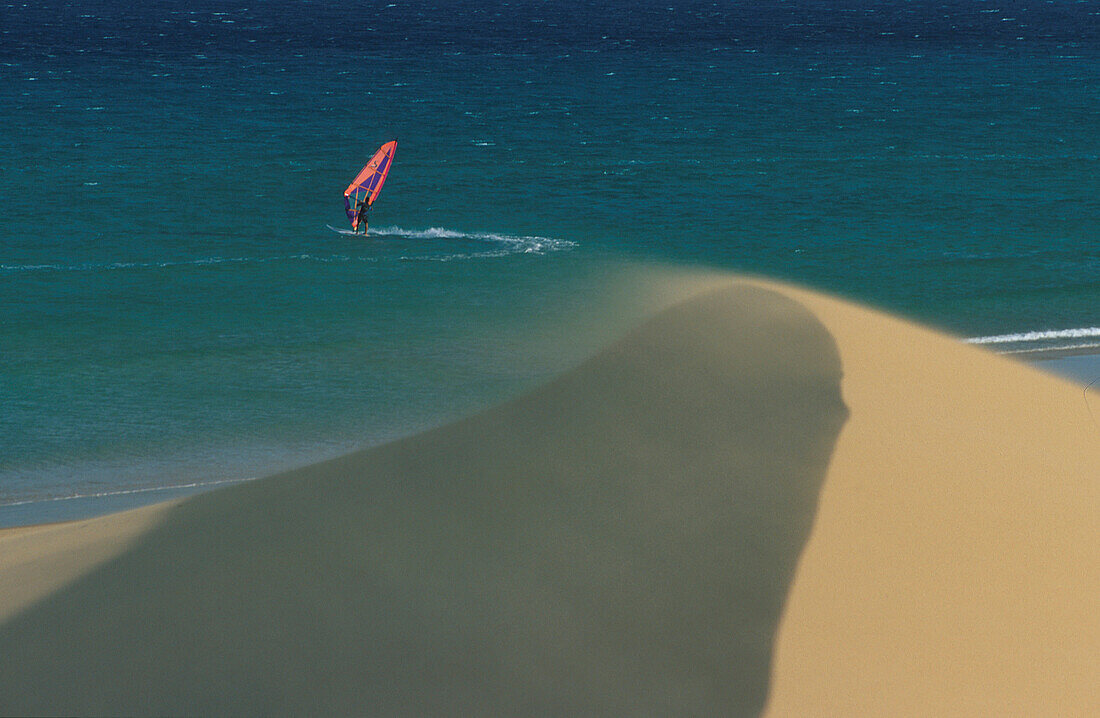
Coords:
618,542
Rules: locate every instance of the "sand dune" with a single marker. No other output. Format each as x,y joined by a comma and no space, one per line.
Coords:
954,566
760,500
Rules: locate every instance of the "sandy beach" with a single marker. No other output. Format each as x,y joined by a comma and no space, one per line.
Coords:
760,501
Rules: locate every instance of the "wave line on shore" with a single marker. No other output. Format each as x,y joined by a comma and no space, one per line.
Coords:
124,492
1036,336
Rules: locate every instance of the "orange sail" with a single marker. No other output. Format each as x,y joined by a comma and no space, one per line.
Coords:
368,183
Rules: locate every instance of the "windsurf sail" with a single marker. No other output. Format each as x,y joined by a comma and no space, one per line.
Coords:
368,183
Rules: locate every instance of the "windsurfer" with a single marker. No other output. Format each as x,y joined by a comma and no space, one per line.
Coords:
360,195
362,214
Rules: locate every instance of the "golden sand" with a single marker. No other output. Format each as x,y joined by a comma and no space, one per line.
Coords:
954,566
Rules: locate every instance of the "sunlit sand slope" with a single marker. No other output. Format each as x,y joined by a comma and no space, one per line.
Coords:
954,565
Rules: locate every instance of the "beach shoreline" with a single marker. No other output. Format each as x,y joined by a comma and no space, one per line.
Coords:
77,508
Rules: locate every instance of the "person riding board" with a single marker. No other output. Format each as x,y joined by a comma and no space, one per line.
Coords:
362,214
360,195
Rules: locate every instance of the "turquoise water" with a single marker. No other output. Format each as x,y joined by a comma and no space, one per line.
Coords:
176,308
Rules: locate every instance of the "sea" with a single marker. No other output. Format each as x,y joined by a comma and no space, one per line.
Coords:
182,307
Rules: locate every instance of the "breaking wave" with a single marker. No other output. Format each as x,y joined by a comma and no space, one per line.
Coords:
1082,333
1042,340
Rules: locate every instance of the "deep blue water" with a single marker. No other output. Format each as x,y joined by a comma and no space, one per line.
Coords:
174,307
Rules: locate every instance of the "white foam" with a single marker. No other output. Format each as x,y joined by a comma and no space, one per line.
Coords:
1087,348
500,245
1037,336
504,244
507,243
